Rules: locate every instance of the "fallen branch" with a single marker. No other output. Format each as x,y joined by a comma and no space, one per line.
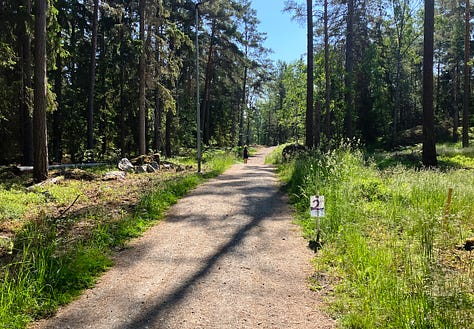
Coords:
72,204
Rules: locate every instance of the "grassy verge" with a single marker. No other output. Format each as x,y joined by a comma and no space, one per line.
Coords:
389,249
53,257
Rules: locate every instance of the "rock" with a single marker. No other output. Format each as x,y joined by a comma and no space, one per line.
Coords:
141,169
143,159
114,175
150,168
126,165
155,165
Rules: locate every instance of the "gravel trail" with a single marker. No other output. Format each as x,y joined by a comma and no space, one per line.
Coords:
226,257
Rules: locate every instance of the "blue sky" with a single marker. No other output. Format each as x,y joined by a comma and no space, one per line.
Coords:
287,38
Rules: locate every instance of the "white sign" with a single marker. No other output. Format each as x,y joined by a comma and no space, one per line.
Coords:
317,206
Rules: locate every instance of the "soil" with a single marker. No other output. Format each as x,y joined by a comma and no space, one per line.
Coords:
227,256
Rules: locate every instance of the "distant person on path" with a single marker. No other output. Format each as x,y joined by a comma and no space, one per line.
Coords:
246,154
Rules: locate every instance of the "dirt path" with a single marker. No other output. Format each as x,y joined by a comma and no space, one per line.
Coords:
226,257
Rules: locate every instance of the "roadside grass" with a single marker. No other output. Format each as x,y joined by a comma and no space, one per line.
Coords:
54,255
389,247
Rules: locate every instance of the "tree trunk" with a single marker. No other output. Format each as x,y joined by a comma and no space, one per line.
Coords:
317,123
429,145
25,99
327,74
207,86
455,104
467,79
40,171
349,78
310,77
90,111
168,128
122,124
141,78
157,118
243,108
58,114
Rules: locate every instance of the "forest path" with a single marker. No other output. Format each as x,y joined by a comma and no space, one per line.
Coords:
226,257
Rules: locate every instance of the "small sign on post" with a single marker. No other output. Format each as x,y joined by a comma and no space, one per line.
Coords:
317,210
317,206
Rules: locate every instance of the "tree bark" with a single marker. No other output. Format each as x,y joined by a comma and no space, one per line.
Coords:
349,78
90,110
141,77
207,86
58,114
25,99
455,104
327,74
168,128
310,77
243,107
467,78
429,146
40,171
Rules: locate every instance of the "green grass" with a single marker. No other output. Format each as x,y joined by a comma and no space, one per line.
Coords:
387,246
55,258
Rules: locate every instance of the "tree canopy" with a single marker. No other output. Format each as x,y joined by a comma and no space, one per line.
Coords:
121,77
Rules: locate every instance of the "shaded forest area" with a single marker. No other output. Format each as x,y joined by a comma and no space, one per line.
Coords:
120,76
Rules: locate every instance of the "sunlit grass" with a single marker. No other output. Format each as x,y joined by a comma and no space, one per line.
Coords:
389,246
54,257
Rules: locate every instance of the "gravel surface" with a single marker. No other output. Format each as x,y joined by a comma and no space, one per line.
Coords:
227,256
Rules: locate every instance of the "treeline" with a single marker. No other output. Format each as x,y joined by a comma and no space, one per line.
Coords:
368,74
121,76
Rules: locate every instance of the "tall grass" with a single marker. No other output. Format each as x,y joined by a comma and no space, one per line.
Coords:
52,262
388,247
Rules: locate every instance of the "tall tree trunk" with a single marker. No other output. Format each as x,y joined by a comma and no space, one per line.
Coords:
90,111
103,122
157,118
25,100
317,123
207,86
429,145
310,77
122,124
168,128
141,77
327,74
243,107
398,93
467,78
58,114
158,108
349,78
455,103
40,171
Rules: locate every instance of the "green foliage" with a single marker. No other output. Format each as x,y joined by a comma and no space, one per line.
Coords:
387,244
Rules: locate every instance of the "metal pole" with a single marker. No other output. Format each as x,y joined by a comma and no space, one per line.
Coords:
198,111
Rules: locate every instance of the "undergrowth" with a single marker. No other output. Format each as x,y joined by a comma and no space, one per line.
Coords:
389,247
53,258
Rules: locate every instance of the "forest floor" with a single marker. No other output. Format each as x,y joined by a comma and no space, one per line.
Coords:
227,256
